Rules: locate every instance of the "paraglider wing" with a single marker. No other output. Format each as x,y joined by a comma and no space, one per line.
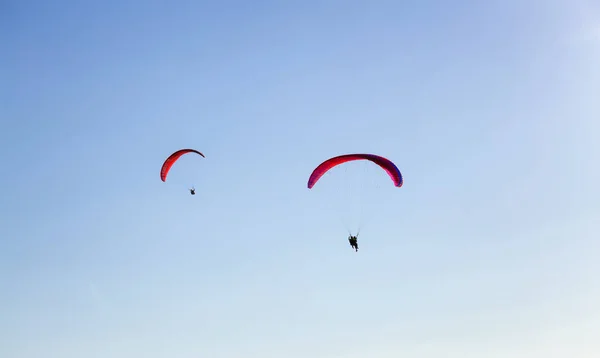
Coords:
384,163
172,159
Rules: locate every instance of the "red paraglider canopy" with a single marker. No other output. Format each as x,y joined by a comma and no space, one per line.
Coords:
384,163
172,159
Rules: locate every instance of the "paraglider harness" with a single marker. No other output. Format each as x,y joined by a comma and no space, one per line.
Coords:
353,242
193,191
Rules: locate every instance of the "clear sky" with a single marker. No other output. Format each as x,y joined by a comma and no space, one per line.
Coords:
489,108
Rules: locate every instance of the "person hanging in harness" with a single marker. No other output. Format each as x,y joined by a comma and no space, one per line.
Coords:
193,191
353,242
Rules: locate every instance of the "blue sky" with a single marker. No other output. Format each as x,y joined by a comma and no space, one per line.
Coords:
489,109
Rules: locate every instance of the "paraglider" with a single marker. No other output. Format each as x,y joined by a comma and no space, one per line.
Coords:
384,163
166,167
387,165
353,242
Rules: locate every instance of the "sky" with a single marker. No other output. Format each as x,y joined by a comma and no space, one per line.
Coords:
489,109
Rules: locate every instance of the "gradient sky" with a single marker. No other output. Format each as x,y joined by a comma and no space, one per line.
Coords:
489,108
